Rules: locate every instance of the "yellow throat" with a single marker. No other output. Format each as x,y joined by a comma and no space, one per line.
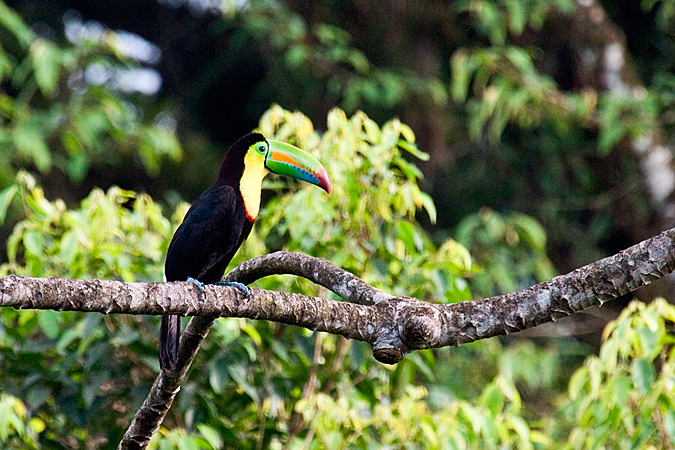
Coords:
250,184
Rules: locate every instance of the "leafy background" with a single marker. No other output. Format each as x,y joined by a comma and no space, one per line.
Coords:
468,159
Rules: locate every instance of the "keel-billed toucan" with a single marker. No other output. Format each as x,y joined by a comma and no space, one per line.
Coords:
222,217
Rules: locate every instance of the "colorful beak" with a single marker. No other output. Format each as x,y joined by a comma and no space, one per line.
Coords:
285,159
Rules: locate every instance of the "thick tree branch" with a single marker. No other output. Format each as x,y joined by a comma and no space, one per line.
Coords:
455,323
319,270
182,298
393,326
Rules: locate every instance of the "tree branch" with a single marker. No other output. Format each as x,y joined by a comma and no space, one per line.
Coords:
319,270
393,326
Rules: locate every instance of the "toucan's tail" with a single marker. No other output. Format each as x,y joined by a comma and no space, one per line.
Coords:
168,342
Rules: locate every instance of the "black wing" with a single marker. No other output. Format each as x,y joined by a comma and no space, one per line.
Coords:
212,231
202,247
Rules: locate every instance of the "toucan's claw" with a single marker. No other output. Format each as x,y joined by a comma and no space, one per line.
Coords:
197,283
242,287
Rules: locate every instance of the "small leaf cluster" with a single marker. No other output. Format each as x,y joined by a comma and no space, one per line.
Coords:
624,398
497,19
15,430
509,251
502,85
112,235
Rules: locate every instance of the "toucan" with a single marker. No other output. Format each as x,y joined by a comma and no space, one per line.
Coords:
221,219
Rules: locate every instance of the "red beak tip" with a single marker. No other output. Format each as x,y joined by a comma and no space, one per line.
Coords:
324,181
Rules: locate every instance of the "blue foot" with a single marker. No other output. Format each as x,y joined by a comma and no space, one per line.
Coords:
242,287
196,282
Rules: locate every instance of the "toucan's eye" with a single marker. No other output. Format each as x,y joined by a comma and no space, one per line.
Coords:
262,149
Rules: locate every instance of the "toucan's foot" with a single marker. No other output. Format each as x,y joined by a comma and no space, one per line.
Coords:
197,283
242,287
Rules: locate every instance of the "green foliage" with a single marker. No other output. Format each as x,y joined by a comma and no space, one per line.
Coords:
408,421
113,235
510,251
207,439
664,13
501,85
77,373
53,117
324,52
541,161
15,430
629,116
624,397
497,19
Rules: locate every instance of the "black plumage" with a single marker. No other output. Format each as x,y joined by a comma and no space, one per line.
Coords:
214,228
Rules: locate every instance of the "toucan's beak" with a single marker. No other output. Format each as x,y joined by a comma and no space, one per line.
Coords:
290,161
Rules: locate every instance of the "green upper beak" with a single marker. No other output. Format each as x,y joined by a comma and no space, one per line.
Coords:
286,159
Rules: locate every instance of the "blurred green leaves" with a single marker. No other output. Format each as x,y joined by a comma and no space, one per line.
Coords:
15,431
499,18
501,85
320,60
47,62
50,115
509,251
626,116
